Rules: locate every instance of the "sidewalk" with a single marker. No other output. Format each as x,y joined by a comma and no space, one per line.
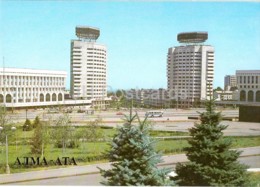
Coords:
90,169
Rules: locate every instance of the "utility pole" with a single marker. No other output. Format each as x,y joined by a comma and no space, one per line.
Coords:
4,79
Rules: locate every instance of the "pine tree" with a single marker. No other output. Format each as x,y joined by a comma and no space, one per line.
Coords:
27,125
36,122
40,138
134,158
212,163
37,140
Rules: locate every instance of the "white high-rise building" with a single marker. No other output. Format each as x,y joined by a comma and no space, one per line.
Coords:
29,87
88,65
190,68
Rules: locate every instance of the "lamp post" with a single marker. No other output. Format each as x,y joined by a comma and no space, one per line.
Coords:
14,129
6,149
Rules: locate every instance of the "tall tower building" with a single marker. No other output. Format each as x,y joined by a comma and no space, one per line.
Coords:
88,65
190,68
230,81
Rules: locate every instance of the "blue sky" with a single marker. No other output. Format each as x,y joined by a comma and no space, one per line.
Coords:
37,34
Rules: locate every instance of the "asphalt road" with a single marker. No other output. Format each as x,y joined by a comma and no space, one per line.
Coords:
95,179
31,114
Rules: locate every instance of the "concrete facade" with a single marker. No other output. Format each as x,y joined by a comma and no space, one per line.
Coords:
88,69
226,95
28,87
248,83
230,81
190,72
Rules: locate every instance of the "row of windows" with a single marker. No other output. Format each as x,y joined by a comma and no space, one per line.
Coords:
95,49
28,78
248,79
248,86
31,89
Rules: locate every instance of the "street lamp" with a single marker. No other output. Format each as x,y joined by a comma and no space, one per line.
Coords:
6,145
14,129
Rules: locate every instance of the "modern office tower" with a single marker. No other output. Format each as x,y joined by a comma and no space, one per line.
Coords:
230,81
190,69
29,87
248,83
88,65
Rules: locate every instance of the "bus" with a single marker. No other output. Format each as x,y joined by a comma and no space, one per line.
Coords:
151,114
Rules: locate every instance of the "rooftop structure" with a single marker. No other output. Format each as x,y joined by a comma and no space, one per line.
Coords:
89,33
192,37
190,69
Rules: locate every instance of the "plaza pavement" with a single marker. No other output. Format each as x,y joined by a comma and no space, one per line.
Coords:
90,169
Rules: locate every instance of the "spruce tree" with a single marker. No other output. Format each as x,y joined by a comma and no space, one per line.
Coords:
37,140
211,162
27,125
134,157
36,122
40,138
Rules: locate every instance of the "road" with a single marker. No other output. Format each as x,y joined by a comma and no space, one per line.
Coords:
95,179
110,115
173,120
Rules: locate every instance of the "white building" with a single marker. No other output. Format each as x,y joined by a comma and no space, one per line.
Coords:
229,82
248,83
190,68
28,87
88,66
226,95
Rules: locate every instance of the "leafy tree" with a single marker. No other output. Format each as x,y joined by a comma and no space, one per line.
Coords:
134,157
27,125
63,132
218,89
4,118
5,124
212,163
92,132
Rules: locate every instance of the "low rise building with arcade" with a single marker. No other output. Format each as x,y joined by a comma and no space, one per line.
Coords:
30,87
248,83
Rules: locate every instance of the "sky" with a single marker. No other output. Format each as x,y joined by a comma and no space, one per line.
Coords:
37,35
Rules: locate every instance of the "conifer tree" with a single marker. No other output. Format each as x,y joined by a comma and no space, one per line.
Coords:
37,140
134,158
27,125
212,163
40,138
36,122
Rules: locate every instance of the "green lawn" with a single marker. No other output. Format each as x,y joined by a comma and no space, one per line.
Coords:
91,152
254,179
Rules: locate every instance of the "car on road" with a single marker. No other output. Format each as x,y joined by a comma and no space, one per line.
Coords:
53,110
119,113
151,114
